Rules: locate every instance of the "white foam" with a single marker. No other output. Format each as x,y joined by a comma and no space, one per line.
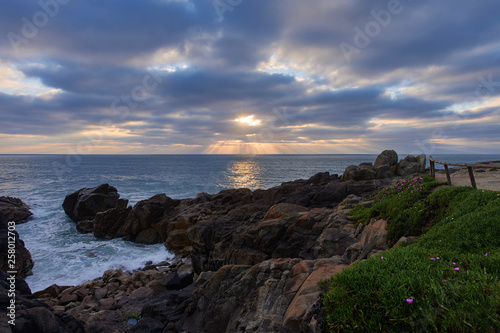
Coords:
63,256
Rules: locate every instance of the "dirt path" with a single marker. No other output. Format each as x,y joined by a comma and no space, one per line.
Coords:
484,180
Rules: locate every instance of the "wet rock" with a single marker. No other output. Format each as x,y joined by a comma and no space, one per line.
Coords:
14,209
85,203
23,263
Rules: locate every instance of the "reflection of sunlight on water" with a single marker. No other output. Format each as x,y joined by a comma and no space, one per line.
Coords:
244,174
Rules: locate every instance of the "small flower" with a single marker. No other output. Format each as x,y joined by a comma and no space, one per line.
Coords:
382,258
457,269
484,272
437,258
486,254
432,259
410,300
454,264
444,280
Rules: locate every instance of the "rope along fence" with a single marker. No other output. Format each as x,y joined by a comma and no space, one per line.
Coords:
469,168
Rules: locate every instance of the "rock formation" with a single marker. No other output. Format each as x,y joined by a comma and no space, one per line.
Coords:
22,261
411,165
254,257
386,165
30,315
14,209
83,205
162,219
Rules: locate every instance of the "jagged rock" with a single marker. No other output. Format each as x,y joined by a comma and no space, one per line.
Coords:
85,203
385,166
272,296
85,226
257,257
145,217
14,209
32,315
23,262
411,165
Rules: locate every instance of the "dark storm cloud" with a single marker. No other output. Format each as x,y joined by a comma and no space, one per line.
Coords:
211,69
109,31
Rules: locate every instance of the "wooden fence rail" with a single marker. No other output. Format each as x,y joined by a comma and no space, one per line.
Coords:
469,168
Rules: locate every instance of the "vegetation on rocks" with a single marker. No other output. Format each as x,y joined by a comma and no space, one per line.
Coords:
404,205
447,281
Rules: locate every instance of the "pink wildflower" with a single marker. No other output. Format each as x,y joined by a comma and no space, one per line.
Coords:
410,300
457,269
486,254
432,259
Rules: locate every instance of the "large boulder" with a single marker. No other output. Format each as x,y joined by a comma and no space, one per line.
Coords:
142,223
411,165
23,262
83,205
14,209
387,157
384,167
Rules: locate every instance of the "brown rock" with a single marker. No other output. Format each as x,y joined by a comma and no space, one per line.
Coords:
51,291
100,293
373,238
284,209
23,263
85,203
14,209
81,292
68,298
106,303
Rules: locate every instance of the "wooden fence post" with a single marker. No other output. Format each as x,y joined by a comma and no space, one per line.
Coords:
471,175
447,174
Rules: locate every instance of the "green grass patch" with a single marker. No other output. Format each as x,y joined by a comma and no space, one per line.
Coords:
404,207
411,290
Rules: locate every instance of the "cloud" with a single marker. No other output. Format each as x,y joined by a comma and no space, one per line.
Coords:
164,73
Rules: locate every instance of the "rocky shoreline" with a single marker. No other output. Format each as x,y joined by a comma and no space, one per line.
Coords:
251,260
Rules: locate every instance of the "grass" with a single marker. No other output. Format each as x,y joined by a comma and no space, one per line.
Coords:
410,289
404,207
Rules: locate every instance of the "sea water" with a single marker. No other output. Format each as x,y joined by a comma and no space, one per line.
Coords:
64,256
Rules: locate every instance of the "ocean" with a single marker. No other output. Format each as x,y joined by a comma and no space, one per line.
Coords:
65,257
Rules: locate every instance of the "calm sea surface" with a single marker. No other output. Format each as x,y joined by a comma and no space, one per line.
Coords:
66,257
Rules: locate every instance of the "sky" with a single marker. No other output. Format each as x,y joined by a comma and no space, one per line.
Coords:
249,76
